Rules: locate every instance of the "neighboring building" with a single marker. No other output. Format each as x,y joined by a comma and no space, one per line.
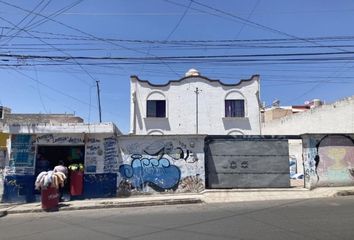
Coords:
277,112
6,117
195,104
3,112
327,118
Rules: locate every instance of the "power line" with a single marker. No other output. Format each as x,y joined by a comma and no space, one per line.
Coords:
53,57
53,89
55,14
22,20
169,35
78,30
53,48
179,21
255,24
248,17
270,29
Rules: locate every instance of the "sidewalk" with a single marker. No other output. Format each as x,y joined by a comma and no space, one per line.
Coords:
207,196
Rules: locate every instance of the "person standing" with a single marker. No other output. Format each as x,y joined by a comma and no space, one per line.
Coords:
63,169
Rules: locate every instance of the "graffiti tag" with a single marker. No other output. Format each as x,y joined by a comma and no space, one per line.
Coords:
158,172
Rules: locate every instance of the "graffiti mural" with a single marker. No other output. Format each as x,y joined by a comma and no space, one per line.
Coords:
191,184
310,171
158,173
335,160
328,160
151,164
181,152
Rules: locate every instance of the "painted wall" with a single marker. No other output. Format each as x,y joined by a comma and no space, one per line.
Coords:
180,99
125,165
328,160
19,169
155,164
332,118
4,139
101,163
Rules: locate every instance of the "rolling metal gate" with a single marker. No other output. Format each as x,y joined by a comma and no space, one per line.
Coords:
247,162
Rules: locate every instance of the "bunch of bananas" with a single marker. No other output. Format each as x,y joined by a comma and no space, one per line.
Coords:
50,178
76,167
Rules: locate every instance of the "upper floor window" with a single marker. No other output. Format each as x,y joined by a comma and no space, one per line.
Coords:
156,108
234,108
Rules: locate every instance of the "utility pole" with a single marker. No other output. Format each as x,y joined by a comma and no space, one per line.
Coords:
197,91
99,100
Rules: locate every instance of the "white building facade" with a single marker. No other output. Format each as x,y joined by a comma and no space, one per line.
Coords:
195,104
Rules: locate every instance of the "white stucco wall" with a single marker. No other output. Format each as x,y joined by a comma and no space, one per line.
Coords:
181,107
295,153
332,118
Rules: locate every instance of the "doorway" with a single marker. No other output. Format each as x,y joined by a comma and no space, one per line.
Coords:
49,156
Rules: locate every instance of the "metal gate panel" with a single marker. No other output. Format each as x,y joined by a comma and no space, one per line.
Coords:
247,163
222,181
249,147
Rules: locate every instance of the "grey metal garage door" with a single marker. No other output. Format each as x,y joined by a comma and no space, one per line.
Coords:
247,162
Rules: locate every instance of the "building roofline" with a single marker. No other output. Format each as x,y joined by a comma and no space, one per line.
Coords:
65,128
253,77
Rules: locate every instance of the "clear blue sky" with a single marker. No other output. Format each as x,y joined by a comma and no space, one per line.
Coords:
158,28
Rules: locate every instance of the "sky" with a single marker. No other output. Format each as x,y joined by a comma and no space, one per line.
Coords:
53,52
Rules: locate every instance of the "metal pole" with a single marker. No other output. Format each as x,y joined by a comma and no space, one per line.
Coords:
196,109
99,100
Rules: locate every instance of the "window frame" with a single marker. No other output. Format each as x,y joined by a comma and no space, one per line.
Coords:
155,112
233,111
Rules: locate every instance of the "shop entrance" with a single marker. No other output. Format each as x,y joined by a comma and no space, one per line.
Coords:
49,156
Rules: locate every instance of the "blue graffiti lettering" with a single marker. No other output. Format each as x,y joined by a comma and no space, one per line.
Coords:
158,172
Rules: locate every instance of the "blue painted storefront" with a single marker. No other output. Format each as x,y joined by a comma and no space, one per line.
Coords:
100,185
100,177
19,188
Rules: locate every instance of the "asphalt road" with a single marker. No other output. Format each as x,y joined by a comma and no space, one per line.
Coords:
331,218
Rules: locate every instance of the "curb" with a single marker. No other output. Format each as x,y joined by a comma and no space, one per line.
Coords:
111,204
3,213
344,193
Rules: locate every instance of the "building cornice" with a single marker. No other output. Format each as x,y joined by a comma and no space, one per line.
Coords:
253,77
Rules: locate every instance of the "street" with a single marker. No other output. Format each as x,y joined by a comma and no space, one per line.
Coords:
326,218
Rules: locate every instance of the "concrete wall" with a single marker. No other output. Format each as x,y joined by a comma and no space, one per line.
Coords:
333,118
328,160
153,164
180,99
41,118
